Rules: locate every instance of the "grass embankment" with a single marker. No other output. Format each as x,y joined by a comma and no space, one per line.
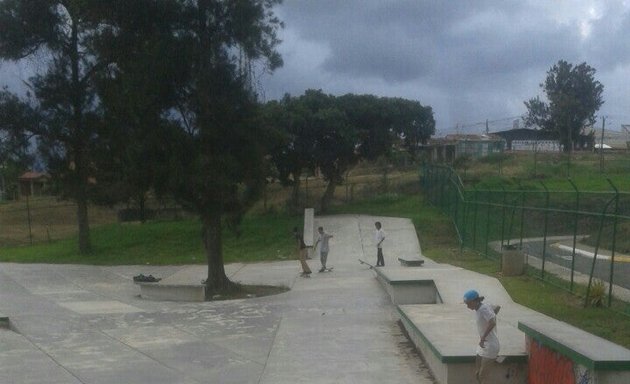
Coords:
585,169
264,237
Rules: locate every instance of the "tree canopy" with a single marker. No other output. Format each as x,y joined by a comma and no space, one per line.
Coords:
573,98
332,134
128,85
60,34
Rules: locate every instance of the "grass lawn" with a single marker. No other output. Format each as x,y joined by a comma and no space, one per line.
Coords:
264,237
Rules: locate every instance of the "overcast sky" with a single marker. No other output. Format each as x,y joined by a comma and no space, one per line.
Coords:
470,60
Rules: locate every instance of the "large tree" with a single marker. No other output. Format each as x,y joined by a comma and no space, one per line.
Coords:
15,156
412,122
334,133
140,85
573,98
58,33
289,120
217,147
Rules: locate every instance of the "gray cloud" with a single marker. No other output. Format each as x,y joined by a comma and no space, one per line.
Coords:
469,60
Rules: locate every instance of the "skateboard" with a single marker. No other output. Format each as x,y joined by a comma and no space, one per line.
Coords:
366,263
329,269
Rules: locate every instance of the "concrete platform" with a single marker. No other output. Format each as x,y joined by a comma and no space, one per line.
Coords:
447,337
77,324
443,328
445,331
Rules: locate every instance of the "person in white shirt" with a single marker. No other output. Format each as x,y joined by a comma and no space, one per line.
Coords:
488,347
323,249
379,237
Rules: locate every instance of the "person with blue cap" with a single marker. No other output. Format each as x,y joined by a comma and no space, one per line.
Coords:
488,347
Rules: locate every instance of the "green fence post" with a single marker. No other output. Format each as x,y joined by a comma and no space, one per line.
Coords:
476,209
614,241
544,252
599,239
464,218
460,193
575,227
503,215
522,218
487,224
511,226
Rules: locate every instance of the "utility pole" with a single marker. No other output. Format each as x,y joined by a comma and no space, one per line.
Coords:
601,147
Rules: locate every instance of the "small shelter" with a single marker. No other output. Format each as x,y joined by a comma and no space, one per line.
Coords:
32,183
449,148
477,146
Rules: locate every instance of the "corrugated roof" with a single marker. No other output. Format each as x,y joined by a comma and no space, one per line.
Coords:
31,175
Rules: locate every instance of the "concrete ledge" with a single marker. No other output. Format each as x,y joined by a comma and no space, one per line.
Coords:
411,261
586,349
172,292
309,227
308,234
446,336
408,290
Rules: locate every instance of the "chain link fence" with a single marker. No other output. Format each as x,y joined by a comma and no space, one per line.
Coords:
44,219
578,234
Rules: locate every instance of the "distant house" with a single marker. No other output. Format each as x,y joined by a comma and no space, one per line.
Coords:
536,140
449,148
33,184
477,146
525,139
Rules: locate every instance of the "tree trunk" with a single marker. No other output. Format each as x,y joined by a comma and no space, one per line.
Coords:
328,195
295,194
212,241
79,145
85,245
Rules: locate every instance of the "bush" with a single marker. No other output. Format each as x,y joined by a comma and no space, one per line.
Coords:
597,294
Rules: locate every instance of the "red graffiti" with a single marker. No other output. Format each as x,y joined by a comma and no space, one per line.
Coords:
546,366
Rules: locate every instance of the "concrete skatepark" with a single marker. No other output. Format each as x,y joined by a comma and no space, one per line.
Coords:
89,324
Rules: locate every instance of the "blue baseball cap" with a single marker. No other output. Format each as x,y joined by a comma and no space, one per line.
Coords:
471,295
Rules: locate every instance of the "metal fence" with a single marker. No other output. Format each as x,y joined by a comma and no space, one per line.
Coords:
45,219
575,233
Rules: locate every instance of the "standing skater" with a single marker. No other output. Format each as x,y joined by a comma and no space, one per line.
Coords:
488,347
301,247
379,237
323,249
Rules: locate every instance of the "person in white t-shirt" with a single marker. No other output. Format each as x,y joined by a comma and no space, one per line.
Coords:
488,347
324,247
379,237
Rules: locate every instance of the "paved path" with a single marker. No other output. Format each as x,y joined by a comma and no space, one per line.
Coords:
86,324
